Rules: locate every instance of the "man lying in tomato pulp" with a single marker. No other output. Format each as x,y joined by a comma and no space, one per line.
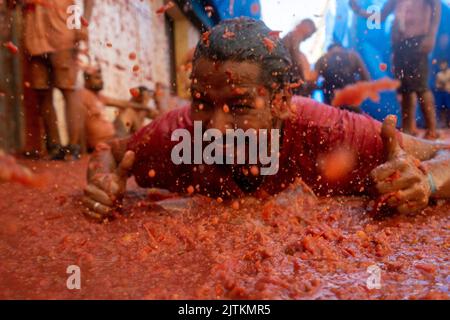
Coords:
241,80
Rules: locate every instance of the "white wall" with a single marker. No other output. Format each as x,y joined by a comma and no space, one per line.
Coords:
283,15
130,26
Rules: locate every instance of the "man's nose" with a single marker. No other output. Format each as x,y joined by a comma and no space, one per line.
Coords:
220,121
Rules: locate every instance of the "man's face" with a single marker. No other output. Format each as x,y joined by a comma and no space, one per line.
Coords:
95,81
229,95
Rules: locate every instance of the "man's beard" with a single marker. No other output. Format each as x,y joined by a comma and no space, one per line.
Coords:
97,88
245,179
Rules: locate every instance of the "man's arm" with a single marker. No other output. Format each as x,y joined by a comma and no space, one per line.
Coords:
387,9
439,168
430,39
108,171
414,173
123,104
435,159
83,33
305,66
88,7
436,7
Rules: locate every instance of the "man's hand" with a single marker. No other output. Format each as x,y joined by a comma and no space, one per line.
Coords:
354,5
105,191
82,35
11,171
427,44
401,182
357,9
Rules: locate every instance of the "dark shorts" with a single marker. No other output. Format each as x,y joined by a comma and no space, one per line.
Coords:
411,65
442,99
57,69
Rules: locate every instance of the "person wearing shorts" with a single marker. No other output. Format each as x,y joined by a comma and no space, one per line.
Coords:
339,68
413,38
51,49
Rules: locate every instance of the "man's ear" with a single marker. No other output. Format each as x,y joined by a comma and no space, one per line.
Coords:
281,104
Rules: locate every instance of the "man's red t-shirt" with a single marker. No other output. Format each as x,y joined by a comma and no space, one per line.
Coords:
312,131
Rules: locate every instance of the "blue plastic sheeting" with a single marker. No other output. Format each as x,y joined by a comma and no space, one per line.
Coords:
237,8
375,47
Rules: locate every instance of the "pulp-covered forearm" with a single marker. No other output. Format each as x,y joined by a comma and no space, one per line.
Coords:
107,156
102,161
439,167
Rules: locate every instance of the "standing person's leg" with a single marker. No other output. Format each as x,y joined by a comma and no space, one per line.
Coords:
426,101
74,115
65,71
408,104
40,76
48,115
403,68
418,76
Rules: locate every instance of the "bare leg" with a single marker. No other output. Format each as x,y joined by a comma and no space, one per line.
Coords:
426,101
48,114
74,116
409,113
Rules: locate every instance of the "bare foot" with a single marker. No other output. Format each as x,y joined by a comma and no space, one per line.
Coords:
413,132
432,135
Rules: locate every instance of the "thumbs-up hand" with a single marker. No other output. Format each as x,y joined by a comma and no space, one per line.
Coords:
105,191
401,182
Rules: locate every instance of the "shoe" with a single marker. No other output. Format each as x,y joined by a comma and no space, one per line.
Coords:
56,152
32,154
74,150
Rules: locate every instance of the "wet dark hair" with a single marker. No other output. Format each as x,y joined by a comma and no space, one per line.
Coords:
87,74
310,22
143,89
247,44
443,61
